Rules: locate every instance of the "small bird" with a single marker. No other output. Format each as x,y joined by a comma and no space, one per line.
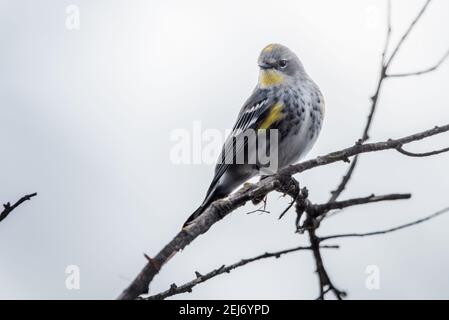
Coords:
285,100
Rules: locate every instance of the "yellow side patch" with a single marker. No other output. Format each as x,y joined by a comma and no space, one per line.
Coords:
269,78
274,115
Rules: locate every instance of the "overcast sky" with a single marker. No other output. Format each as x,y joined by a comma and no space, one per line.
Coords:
86,117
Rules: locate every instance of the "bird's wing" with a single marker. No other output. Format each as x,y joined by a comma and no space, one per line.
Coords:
253,115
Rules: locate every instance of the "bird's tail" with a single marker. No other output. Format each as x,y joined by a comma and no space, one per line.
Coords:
213,194
194,215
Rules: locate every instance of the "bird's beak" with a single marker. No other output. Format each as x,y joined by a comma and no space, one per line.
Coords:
265,65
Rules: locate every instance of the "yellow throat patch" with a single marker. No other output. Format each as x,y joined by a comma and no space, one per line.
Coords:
274,115
269,78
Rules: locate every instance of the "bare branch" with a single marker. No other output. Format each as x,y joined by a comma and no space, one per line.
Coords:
335,194
326,285
8,208
344,154
187,287
319,209
388,33
418,155
344,181
408,32
385,64
421,72
374,233
365,136
296,193
215,212
220,208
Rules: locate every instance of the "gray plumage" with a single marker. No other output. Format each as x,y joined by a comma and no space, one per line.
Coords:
286,100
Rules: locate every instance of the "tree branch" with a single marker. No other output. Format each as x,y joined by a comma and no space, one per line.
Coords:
421,72
320,209
388,34
335,194
344,154
420,155
408,32
384,74
384,67
221,208
324,280
8,208
187,287
374,233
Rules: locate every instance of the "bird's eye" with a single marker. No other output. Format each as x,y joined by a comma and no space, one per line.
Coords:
282,63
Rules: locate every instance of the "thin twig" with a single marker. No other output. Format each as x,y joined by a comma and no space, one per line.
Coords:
335,194
357,149
374,233
344,181
295,192
8,208
365,136
320,209
325,283
421,72
388,33
187,287
290,205
407,32
421,155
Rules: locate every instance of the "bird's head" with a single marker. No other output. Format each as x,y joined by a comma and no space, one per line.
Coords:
278,64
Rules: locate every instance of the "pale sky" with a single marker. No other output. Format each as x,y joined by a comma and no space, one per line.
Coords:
86,117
